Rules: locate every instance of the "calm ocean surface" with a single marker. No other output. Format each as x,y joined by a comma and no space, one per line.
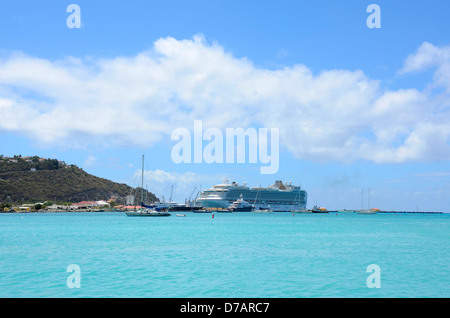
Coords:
231,255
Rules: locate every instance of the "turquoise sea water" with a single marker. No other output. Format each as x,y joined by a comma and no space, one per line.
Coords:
231,255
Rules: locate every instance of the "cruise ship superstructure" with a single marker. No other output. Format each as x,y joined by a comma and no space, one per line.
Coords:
277,197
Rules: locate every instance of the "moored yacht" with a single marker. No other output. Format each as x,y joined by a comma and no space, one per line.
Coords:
146,210
369,211
317,209
240,205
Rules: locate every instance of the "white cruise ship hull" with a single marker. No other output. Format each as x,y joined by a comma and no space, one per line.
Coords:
278,198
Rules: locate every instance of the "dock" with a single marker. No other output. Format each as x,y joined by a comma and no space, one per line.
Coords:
411,212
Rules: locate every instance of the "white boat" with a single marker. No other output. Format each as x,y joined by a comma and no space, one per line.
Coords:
263,211
240,205
301,211
259,209
371,211
346,211
296,208
174,206
366,211
146,210
202,211
181,215
223,211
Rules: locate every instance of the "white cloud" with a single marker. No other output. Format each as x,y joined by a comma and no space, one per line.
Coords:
427,55
430,56
334,115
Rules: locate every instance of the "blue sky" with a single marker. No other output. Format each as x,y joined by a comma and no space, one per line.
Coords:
357,108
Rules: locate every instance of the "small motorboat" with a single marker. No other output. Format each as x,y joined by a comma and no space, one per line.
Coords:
317,209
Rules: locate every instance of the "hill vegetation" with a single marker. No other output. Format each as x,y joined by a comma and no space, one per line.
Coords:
34,179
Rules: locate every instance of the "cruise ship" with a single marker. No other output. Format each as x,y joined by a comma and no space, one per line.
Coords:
277,197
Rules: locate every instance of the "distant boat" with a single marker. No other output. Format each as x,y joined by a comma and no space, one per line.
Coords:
144,209
301,211
269,210
317,209
259,209
223,211
366,211
240,205
346,211
370,211
263,210
297,210
185,208
147,212
202,211
181,215
175,207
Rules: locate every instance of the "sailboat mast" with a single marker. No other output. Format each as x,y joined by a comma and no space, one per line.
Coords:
142,181
256,199
146,193
362,199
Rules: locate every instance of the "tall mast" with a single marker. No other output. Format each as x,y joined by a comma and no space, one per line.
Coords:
142,180
146,193
362,199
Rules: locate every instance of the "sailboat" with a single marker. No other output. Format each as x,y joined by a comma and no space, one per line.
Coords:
146,210
298,210
366,211
260,210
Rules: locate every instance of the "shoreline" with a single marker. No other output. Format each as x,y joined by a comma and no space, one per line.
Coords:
306,212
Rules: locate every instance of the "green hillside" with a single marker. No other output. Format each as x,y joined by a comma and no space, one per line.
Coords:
34,179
